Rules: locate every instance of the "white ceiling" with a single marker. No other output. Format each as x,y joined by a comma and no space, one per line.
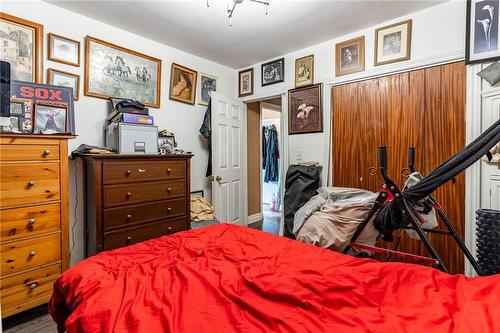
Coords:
204,31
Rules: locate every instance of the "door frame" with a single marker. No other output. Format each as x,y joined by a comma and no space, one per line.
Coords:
284,155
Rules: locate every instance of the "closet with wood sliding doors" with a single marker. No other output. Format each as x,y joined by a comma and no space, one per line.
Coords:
423,108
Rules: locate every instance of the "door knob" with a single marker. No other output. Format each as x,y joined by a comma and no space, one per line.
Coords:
216,178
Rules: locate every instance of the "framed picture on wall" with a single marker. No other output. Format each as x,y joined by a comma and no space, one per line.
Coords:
115,71
22,47
64,50
305,111
207,84
304,71
182,84
245,82
273,72
393,43
64,79
350,56
482,31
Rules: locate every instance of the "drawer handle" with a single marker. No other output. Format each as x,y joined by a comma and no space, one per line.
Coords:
32,253
128,172
33,285
169,230
31,223
169,190
169,210
46,153
129,217
129,194
129,238
30,184
169,170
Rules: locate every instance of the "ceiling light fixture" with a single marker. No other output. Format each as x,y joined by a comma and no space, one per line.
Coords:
231,6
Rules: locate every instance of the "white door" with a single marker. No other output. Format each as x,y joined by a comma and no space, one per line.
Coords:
228,164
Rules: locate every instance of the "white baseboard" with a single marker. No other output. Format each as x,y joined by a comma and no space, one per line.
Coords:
255,218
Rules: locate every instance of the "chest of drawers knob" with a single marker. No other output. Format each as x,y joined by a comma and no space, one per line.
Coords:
169,210
30,184
46,153
169,189
34,285
128,172
169,170
32,253
169,230
129,194
31,222
129,217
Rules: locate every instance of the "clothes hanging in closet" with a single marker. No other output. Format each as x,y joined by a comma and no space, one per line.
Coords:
270,153
206,132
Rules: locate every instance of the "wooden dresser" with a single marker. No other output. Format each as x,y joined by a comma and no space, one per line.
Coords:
132,198
34,217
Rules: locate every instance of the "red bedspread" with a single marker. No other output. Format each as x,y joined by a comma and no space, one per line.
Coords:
226,278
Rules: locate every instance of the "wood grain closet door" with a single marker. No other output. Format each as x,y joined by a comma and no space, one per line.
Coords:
424,109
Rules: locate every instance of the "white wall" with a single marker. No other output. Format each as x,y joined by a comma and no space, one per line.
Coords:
438,32
184,120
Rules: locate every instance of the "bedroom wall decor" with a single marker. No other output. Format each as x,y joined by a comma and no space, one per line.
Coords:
115,71
22,47
350,56
482,31
305,111
273,72
182,84
64,79
245,82
22,108
49,119
207,84
64,50
393,43
304,71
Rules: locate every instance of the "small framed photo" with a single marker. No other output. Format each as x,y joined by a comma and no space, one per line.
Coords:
304,71
273,72
182,84
198,193
245,82
64,50
207,84
22,108
49,119
64,79
13,125
350,56
168,140
393,43
482,42
305,110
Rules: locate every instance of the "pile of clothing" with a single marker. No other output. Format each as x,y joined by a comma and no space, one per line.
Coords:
201,210
332,216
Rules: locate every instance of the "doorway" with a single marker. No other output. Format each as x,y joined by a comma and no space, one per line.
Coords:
265,164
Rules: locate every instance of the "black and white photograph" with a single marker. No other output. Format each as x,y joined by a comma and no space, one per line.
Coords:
350,56
207,84
49,119
64,79
114,71
482,42
22,108
393,43
273,72
16,107
64,50
21,42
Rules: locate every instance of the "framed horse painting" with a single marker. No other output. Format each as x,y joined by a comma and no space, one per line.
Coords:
115,71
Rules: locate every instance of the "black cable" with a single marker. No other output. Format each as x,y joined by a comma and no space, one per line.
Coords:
75,215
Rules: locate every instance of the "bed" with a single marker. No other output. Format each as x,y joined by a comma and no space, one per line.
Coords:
227,278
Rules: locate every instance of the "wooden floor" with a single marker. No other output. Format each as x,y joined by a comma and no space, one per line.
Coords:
36,320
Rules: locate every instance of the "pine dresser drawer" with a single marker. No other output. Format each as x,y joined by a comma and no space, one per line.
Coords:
139,171
26,287
26,254
29,153
129,236
29,221
139,214
28,183
115,195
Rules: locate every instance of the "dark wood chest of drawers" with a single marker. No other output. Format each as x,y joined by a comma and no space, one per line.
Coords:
132,198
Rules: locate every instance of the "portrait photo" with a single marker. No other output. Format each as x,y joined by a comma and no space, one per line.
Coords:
245,82
482,31
207,84
182,84
304,71
49,119
350,56
305,113
64,50
273,72
393,43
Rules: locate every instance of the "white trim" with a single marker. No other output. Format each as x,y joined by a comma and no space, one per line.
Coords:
472,174
244,155
401,67
255,218
327,130
285,156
